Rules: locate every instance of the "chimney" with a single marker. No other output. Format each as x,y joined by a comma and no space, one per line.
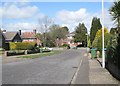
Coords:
34,31
20,32
4,31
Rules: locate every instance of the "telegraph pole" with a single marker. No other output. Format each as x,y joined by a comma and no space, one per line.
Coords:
103,52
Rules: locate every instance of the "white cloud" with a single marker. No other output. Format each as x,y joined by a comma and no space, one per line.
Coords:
73,18
1,11
23,26
108,20
57,0
15,11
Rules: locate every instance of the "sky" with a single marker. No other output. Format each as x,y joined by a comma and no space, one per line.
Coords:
25,15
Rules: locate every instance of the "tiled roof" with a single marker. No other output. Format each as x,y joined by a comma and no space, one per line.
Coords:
9,35
71,34
28,35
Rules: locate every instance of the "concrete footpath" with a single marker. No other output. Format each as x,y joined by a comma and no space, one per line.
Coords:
91,72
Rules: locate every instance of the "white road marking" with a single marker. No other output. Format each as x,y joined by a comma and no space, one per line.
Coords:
76,73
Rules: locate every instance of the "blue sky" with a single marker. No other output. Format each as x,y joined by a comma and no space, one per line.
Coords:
25,15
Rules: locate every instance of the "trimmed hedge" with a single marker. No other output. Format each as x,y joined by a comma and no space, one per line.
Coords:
22,45
65,45
12,53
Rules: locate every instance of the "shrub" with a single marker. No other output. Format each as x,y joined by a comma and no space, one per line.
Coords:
30,47
110,53
12,46
65,45
117,53
97,43
21,45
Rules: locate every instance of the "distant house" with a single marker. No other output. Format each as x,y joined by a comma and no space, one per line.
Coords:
8,37
30,37
12,37
2,40
68,40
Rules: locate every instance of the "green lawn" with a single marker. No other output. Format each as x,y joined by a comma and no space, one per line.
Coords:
1,52
32,56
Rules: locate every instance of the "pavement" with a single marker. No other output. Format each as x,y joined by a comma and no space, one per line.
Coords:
91,72
69,67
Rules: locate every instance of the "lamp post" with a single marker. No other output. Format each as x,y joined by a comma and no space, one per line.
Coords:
103,52
87,42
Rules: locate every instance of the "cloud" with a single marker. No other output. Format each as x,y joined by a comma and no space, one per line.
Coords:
15,11
73,18
57,0
108,20
23,26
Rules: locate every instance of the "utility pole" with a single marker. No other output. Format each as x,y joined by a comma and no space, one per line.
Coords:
87,43
103,52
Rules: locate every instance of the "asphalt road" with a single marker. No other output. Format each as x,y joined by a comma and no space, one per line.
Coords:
56,69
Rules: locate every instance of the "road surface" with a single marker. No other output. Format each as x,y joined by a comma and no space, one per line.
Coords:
56,69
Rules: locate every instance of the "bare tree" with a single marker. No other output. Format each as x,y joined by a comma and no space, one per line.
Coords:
44,24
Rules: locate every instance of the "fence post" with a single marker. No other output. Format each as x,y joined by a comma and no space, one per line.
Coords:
25,52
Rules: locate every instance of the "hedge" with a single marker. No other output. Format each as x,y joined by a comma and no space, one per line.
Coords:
65,45
22,45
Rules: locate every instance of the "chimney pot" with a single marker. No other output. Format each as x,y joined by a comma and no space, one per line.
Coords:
34,31
20,32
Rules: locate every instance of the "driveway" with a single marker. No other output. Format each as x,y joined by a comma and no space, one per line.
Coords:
56,69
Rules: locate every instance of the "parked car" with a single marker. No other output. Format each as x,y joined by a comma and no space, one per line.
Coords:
47,48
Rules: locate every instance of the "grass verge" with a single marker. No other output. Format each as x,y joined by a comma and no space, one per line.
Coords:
32,56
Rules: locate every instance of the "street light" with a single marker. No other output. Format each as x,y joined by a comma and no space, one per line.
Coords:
103,52
87,39
87,42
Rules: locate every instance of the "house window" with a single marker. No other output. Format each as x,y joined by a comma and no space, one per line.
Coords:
15,40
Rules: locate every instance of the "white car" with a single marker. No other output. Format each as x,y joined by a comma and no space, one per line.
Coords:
48,48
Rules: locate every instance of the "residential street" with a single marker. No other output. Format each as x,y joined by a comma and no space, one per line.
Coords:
56,69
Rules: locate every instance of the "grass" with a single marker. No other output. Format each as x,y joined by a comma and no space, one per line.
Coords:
1,52
33,56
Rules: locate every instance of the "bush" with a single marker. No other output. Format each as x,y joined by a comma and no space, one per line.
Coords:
12,46
97,43
110,53
65,45
30,47
22,45
117,53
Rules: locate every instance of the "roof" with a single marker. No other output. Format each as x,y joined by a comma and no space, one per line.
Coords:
28,35
70,34
9,35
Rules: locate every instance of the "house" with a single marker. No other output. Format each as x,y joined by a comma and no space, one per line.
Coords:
30,37
8,37
68,40
2,40
12,37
